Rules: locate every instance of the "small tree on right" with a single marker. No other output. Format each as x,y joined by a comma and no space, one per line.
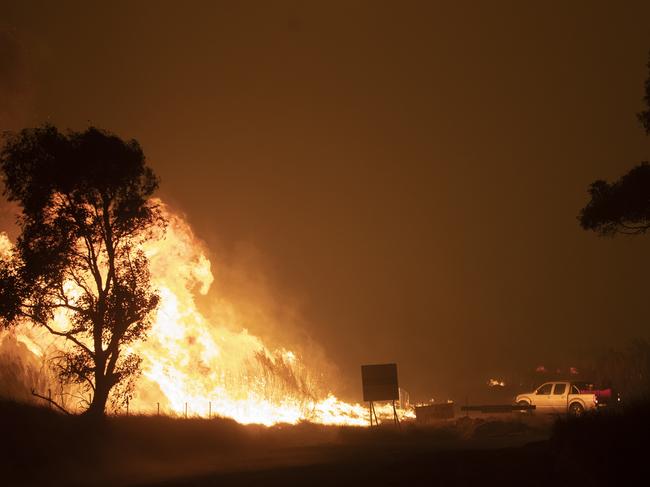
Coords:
624,205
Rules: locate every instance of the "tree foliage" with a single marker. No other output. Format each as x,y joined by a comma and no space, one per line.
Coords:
619,207
85,207
622,206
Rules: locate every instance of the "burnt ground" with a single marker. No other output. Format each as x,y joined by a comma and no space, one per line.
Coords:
40,447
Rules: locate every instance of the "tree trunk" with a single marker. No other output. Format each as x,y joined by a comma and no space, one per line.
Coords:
98,405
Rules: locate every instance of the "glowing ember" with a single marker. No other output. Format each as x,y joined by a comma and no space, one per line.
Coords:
496,383
194,366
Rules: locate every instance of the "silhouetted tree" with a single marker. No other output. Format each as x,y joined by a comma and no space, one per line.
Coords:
84,209
619,207
622,206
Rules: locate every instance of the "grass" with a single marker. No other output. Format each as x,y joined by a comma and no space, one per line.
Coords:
608,446
42,447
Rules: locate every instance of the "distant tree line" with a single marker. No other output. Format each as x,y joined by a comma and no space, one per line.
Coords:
626,369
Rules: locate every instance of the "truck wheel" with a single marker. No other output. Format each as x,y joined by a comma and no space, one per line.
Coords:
525,403
576,410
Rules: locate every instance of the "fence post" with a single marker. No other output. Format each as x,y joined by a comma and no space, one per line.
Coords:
158,413
210,410
185,410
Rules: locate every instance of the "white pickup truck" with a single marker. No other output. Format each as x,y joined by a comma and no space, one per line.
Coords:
559,397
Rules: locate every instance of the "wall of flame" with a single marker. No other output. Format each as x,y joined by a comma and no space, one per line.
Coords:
193,365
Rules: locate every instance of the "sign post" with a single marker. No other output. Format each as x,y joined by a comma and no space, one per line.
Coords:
379,383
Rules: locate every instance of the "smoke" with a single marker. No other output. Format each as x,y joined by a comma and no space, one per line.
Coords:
16,102
15,85
243,297
22,371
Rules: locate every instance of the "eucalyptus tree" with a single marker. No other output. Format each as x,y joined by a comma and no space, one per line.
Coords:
85,207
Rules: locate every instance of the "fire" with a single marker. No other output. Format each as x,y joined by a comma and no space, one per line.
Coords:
200,366
496,383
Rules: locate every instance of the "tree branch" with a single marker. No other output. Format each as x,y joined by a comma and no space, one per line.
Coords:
51,401
635,229
67,335
83,285
107,232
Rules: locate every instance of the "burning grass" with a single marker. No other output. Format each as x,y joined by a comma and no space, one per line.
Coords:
195,362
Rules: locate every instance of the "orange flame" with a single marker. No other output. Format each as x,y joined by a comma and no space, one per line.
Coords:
496,383
194,366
